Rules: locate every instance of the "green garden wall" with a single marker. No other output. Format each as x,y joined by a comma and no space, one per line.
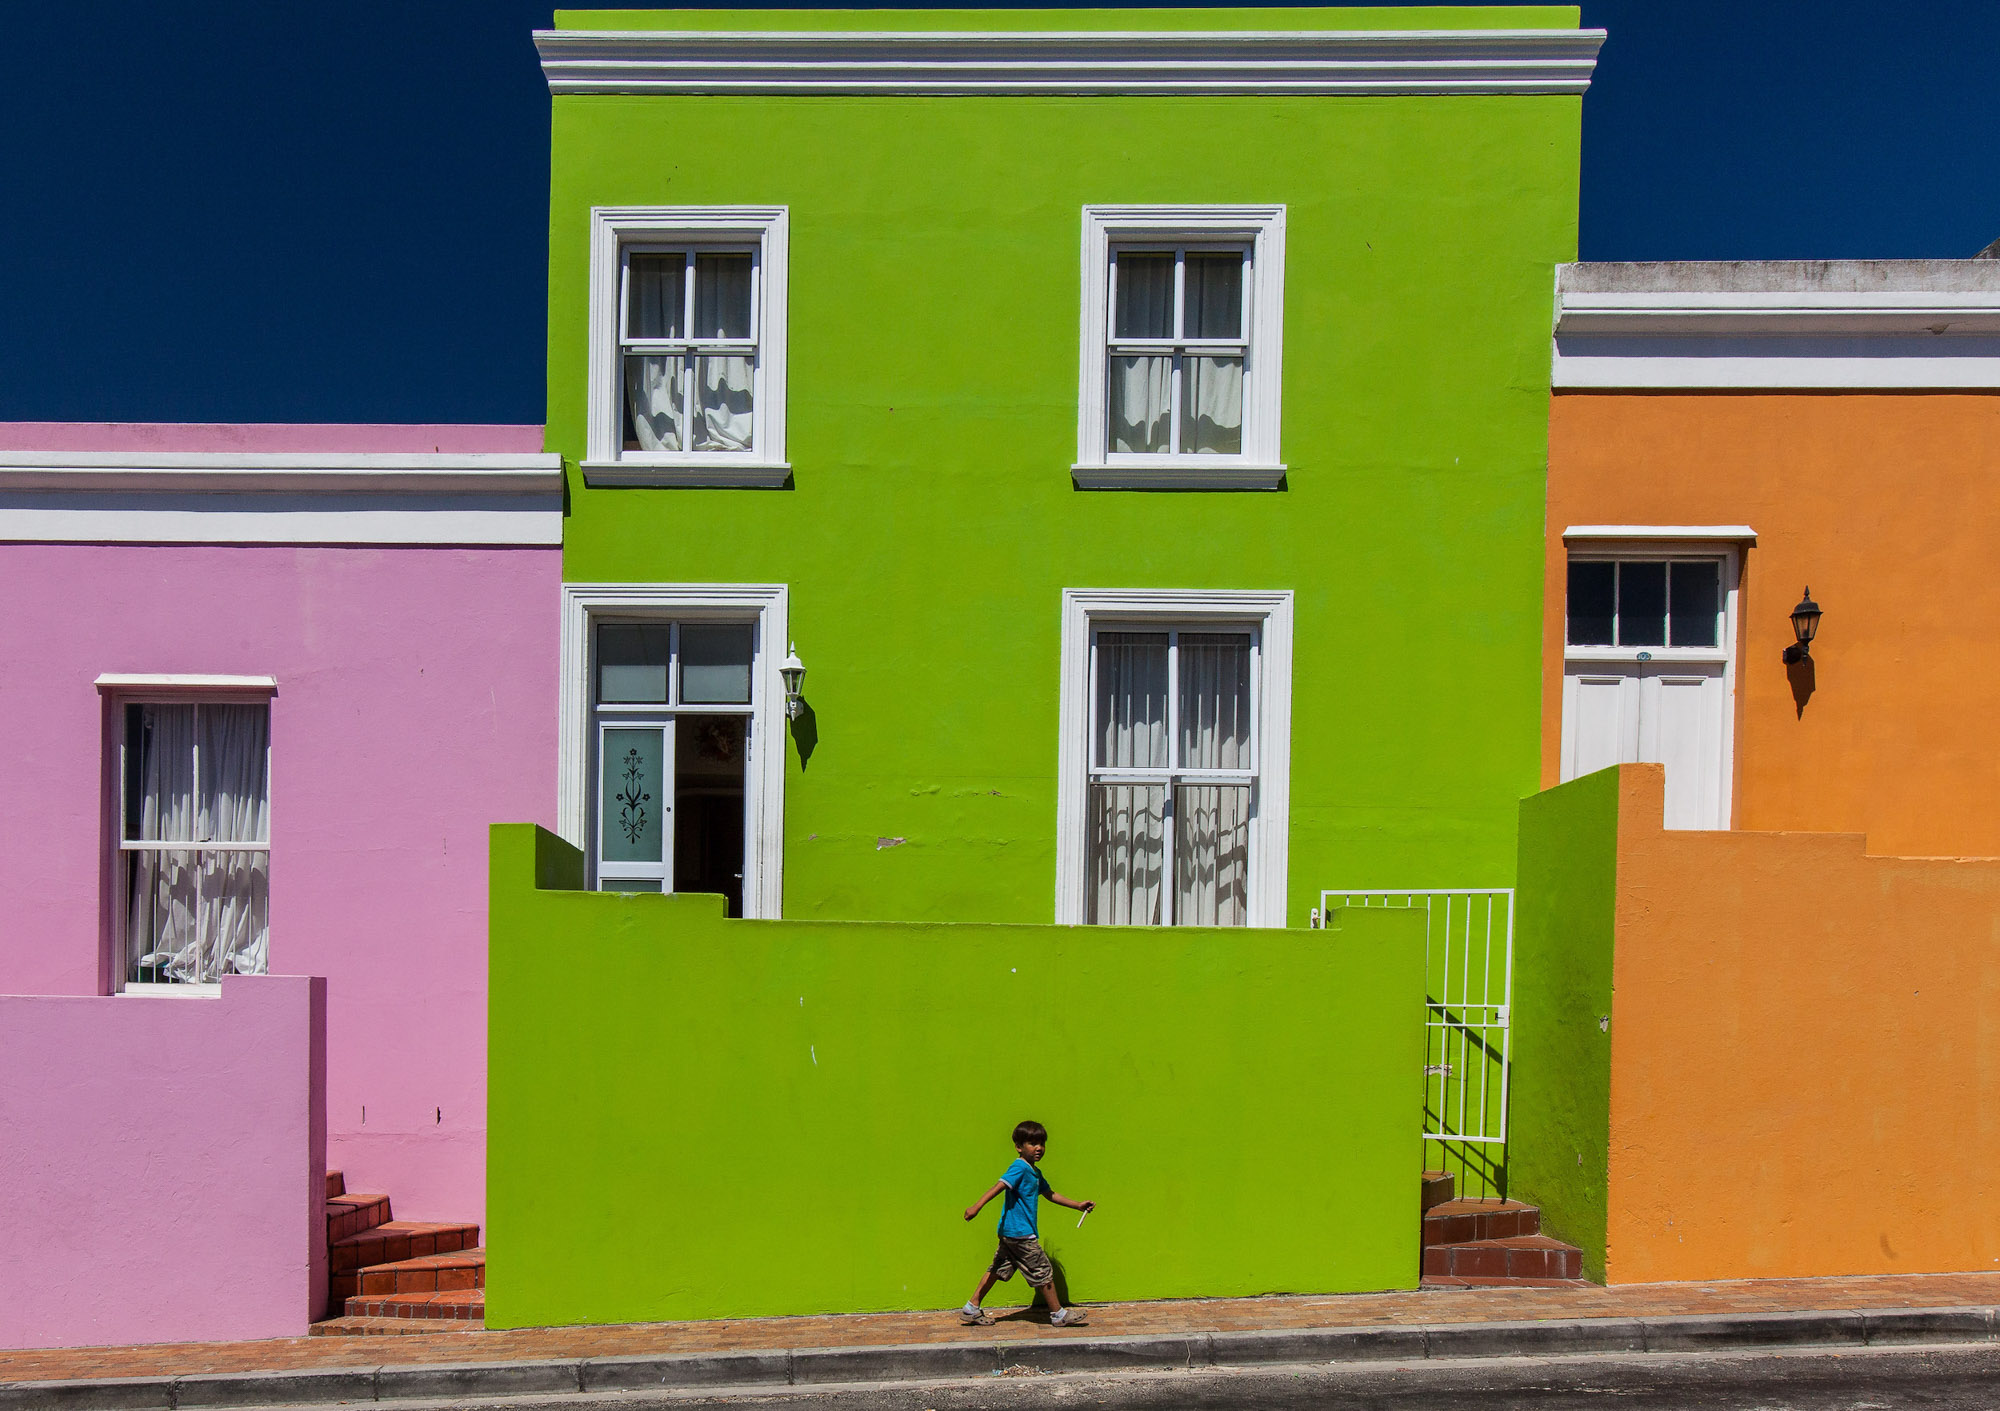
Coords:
696,1117
1559,1109
932,524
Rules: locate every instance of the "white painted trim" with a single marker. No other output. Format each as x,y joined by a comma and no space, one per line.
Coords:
1178,473
1271,828
764,796
1516,61
232,497
611,227
130,681
1260,466
1896,340
756,474
1685,533
1639,541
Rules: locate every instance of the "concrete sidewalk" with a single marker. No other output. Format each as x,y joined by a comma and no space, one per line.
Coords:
833,1349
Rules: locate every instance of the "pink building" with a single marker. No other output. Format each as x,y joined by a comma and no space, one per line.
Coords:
266,686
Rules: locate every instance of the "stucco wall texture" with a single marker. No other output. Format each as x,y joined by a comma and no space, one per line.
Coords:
1805,1055
1883,504
695,1117
162,1165
415,704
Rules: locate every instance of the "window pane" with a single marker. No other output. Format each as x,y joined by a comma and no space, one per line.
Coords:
629,787
722,296
160,917
708,804
655,289
235,804
715,663
1212,405
1215,700
723,392
159,773
1696,603
632,662
1127,846
1214,296
1642,604
1212,855
1145,297
629,884
653,402
1592,599
1131,709
235,915
1141,399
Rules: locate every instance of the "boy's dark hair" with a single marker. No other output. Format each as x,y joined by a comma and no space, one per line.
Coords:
1030,1132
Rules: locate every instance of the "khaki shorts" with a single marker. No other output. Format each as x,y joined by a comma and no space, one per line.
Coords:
1027,1256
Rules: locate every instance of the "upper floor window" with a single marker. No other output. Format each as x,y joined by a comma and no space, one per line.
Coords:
1182,347
194,842
687,368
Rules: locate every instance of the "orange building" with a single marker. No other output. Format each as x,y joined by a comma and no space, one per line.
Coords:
1725,436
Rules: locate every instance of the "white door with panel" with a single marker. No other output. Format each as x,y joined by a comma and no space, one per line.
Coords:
1646,676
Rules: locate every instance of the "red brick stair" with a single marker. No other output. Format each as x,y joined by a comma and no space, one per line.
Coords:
384,1273
1479,1243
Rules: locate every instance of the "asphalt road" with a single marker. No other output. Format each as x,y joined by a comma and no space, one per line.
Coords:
1957,1378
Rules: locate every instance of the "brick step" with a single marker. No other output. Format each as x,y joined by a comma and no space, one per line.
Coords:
428,1273
348,1215
395,1241
1522,1257
459,1305
336,1184
1439,1186
1450,1281
1462,1221
345,1327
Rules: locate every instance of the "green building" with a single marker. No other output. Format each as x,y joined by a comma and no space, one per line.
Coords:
1134,422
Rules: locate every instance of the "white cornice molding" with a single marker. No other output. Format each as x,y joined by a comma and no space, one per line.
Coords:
231,497
1509,61
1882,340
1685,533
285,473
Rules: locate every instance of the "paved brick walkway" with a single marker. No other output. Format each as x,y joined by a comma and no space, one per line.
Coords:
887,1329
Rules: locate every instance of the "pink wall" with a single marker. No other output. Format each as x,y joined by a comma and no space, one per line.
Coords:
162,1166
416,704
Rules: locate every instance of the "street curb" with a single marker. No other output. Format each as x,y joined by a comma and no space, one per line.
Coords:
827,1366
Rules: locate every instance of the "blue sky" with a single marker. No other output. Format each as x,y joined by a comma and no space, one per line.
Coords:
335,212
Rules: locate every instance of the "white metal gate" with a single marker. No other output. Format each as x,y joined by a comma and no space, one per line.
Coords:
1468,981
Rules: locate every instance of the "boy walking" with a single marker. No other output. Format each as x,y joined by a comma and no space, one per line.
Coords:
1020,1248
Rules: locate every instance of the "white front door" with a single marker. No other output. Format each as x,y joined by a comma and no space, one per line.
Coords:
1674,714
1646,671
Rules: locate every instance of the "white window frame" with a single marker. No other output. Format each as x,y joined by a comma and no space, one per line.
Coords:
120,690
1270,615
1260,229
1614,544
762,230
765,604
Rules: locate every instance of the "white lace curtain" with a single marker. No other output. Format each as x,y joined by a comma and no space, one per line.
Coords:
1141,400
195,913
687,400
1209,674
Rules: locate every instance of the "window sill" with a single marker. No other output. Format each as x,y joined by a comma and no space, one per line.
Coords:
1178,474
143,990
767,475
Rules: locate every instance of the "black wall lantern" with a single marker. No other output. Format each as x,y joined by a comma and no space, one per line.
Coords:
1805,626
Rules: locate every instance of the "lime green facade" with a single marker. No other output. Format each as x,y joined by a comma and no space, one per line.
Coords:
931,522
695,1117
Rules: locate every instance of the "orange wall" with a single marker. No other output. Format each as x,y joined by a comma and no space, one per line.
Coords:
1889,507
1805,1055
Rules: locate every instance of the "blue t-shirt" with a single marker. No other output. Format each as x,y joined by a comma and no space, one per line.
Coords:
1025,1184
